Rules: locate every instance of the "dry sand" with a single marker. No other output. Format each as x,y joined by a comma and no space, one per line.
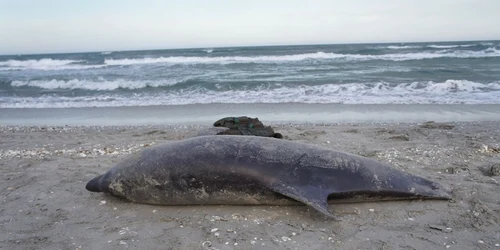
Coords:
45,204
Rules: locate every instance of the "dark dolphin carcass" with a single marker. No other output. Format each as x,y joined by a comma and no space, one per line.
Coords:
256,170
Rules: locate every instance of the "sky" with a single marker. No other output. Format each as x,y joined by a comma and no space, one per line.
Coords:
60,26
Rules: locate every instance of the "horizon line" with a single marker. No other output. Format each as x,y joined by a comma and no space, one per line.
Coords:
245,46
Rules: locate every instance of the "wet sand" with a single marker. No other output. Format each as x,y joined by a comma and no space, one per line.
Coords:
271,113
45,204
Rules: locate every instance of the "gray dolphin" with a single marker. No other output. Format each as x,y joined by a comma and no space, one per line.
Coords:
256,170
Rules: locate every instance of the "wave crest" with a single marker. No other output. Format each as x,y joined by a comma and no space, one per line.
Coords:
451,46
93,85
447,92
56,64
404,47
44,64
223,59
490,52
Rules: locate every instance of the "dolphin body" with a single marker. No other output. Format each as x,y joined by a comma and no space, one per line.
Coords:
237,170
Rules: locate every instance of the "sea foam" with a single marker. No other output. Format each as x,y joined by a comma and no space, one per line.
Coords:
98,85
451,46
447,92
55,64
223,59
44,64
490,52
404,47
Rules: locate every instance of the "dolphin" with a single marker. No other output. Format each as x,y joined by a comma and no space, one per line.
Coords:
238,170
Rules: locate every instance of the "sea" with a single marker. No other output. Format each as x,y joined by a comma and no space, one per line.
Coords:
436,74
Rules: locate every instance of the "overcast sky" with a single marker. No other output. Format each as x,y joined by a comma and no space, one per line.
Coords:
41,26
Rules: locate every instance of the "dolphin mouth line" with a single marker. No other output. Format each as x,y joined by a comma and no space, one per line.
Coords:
380,199
359,197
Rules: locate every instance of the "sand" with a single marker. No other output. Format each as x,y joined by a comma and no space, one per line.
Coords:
271,113
45,204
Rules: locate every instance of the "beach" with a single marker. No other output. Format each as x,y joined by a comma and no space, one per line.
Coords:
45,205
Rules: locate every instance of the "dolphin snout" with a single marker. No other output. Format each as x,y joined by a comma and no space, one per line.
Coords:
436,191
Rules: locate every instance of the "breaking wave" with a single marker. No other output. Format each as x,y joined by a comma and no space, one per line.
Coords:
451,46
490,52
55,64
93,85
404,47
448,92
434,46
44,64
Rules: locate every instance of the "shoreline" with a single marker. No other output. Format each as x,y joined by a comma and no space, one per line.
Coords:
274,114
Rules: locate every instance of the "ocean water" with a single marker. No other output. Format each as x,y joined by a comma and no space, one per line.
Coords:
410,73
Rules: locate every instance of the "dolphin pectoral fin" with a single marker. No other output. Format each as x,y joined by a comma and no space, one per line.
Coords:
310,196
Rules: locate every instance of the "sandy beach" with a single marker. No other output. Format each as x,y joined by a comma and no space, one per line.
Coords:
45,204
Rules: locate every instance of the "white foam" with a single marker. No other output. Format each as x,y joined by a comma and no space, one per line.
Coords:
223,59
448,92
487,44
404,47
44,64
53,64
94,85
453,86
490,52
451,46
